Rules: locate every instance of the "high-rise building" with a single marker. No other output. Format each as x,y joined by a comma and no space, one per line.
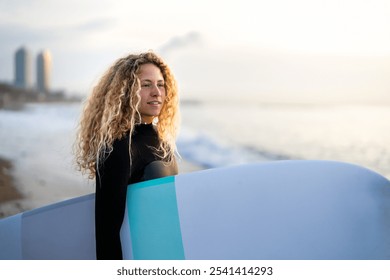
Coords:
22,68
44,71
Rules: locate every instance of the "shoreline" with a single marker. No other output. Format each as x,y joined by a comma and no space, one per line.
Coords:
10,195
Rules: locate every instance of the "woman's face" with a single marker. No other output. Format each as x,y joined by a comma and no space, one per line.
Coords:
152,92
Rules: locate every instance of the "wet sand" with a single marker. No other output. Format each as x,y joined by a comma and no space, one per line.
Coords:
9,193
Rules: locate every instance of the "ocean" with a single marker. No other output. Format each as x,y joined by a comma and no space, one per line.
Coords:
218,134
38,139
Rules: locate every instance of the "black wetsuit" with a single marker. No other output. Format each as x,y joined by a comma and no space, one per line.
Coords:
112,179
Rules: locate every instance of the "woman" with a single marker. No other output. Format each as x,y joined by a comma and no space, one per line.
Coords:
127,134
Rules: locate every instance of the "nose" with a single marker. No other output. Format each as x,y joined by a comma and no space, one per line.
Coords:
155,91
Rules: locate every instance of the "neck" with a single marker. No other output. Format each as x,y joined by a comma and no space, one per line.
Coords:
147,120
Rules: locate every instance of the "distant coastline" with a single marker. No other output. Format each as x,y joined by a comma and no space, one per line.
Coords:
13,98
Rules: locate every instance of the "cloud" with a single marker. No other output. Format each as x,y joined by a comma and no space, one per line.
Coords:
180,42
93,25
14,35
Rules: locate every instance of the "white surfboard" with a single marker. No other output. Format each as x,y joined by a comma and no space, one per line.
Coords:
276,210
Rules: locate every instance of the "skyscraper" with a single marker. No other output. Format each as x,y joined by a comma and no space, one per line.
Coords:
43,71
22,68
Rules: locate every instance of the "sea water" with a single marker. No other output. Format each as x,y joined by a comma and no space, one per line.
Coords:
219,134
39,138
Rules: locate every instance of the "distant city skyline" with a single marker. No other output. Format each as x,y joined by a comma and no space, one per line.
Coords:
23,73
43,71
23,76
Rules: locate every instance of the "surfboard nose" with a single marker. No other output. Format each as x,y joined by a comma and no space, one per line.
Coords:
286,210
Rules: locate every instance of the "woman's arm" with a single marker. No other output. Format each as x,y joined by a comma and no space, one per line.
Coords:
111,187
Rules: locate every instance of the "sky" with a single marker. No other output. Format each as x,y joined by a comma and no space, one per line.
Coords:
269,51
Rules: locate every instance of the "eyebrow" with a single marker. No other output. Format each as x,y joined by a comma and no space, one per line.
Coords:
148,80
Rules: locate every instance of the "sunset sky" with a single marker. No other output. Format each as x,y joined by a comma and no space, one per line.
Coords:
280,50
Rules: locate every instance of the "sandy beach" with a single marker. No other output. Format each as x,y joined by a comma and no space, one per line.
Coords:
9,193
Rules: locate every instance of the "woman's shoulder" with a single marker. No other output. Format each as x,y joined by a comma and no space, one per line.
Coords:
116,160
119,148
121,142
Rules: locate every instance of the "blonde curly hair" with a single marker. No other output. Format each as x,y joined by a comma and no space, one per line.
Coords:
111,111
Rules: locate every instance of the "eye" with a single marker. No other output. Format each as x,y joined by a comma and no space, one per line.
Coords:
145,85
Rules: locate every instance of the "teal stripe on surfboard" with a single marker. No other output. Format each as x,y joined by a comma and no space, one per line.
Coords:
154,220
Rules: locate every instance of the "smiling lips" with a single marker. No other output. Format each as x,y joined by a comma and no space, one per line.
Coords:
155,102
